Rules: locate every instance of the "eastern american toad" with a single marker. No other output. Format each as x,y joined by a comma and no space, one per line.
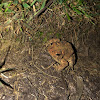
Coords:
62,52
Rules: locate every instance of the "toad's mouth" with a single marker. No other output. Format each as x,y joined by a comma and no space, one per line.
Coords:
60,55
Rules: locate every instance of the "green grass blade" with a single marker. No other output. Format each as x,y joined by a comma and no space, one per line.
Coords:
33,2
7,9
43,5
77,11
68,17
25,5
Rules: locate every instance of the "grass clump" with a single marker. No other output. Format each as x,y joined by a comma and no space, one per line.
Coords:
23,11
13,6
75,8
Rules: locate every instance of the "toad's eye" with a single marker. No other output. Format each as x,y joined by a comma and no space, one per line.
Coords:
58,54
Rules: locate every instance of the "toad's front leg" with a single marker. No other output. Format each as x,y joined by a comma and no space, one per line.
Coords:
59,67
71,62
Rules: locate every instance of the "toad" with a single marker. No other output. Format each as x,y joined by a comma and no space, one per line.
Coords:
62,52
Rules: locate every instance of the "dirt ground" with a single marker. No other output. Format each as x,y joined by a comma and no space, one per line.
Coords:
28,56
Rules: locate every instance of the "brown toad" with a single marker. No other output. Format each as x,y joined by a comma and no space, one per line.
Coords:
62,52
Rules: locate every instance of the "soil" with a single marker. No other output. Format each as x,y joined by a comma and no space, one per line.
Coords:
31,78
